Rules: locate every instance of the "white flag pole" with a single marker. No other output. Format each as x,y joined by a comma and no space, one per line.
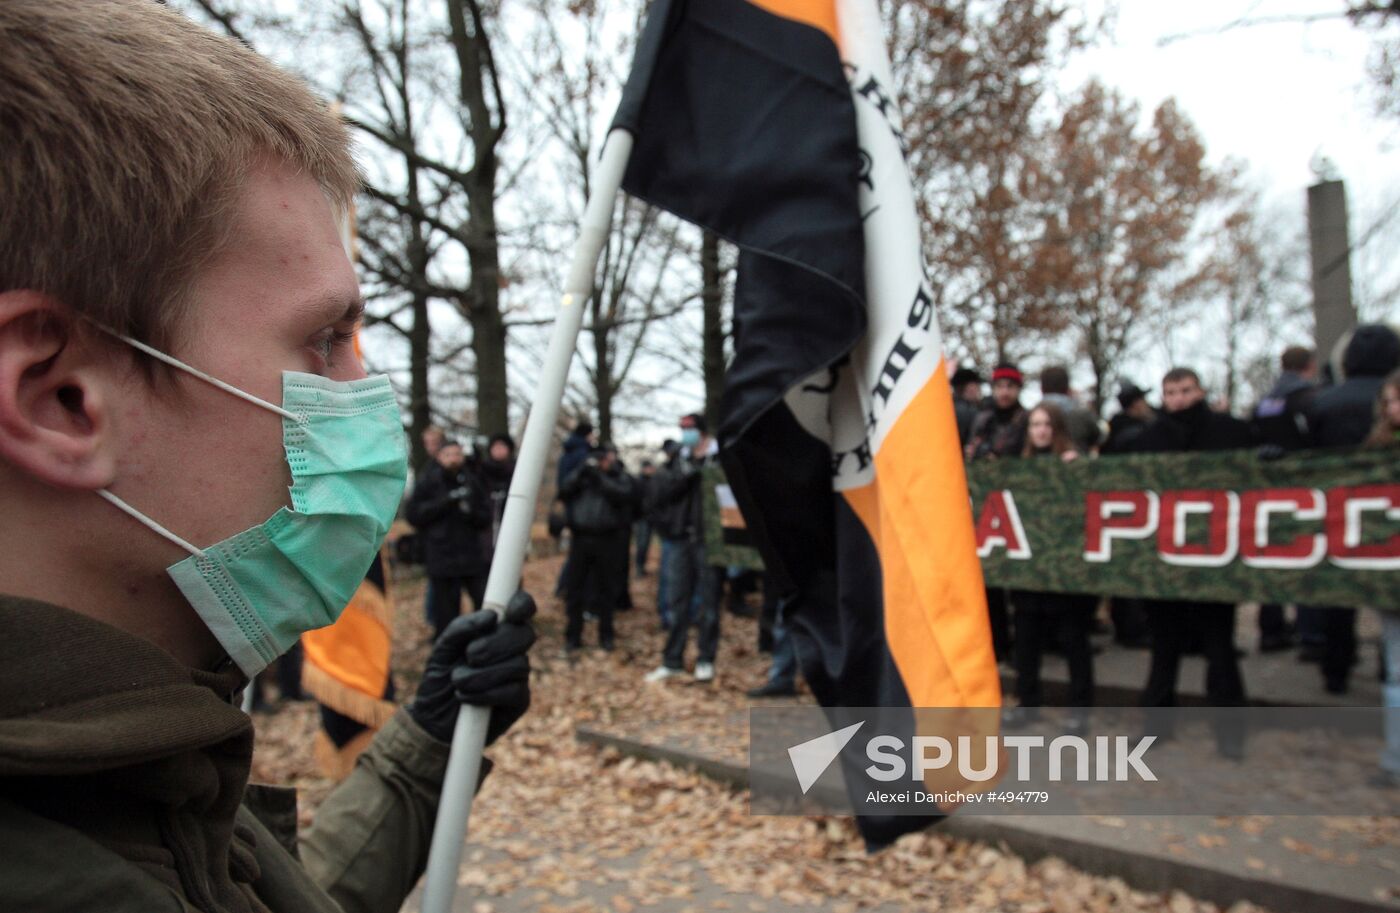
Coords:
469,738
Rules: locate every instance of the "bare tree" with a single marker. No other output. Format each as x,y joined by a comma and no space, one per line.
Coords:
713,331
1118,205
419,82
1251,285
571,67
974,75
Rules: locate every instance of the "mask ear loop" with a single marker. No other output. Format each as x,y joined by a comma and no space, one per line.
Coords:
227,388
132,512
150,524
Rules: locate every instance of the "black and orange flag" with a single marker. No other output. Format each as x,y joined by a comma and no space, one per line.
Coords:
774,124
346,669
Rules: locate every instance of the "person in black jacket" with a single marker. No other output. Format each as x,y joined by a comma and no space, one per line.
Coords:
576,449
1341,416
1188,424
641,529
1134,415
449,509
601,500
999,432
679,518
1280,418
655,515
496,470
1000,429
967,400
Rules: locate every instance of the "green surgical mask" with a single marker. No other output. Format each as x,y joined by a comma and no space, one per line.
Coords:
262,589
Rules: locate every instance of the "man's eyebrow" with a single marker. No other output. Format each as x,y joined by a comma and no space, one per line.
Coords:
355,310
338,308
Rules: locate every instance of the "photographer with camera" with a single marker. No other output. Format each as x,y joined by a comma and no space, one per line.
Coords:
601,500
449,508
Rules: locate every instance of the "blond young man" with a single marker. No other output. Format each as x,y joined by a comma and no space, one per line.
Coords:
194,470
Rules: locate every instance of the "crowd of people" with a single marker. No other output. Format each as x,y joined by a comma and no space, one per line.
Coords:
612,517
1304,409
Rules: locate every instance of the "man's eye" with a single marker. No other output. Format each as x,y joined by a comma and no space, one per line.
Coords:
329,342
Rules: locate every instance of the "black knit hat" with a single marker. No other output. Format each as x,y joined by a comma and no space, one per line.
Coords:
964,376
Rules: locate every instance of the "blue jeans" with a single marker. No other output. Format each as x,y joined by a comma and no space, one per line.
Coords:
783,671
1390,649
663,576
690,577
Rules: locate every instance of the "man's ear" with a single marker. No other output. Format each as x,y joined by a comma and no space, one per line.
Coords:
53,402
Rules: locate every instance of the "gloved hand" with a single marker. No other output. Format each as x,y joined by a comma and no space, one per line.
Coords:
1269,452
481,660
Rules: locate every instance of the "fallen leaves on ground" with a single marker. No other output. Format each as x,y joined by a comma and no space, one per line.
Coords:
564,821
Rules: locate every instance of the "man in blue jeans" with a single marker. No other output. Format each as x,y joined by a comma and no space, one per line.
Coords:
679,519
782,672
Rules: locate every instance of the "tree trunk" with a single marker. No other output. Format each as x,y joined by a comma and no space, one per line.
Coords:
420,334
602,366
712,299
1100,380
420,413
488,325
482,309
489,347
1232,354
1096,349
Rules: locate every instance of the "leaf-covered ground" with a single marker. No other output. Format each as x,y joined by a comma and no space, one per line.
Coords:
560,826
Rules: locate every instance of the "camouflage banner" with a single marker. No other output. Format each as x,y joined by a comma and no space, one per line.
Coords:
727,539
1317,528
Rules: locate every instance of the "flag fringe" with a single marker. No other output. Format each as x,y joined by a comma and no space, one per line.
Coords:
337,763
357,705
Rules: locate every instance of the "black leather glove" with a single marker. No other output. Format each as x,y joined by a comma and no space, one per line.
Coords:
481,660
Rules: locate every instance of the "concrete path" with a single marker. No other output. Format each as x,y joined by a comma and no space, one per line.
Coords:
1323,864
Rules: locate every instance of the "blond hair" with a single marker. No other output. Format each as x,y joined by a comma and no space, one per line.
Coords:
126,131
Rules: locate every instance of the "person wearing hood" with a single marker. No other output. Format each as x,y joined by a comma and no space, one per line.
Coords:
1188,424
576,448
1280,418
196,471
1342,416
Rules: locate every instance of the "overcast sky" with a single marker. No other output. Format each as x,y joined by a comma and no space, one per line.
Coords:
1270,94
1274,96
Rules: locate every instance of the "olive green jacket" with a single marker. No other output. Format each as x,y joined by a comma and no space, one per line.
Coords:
124,787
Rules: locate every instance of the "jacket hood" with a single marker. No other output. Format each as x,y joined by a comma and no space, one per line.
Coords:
1374,351
78,696
1289,382
575,443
